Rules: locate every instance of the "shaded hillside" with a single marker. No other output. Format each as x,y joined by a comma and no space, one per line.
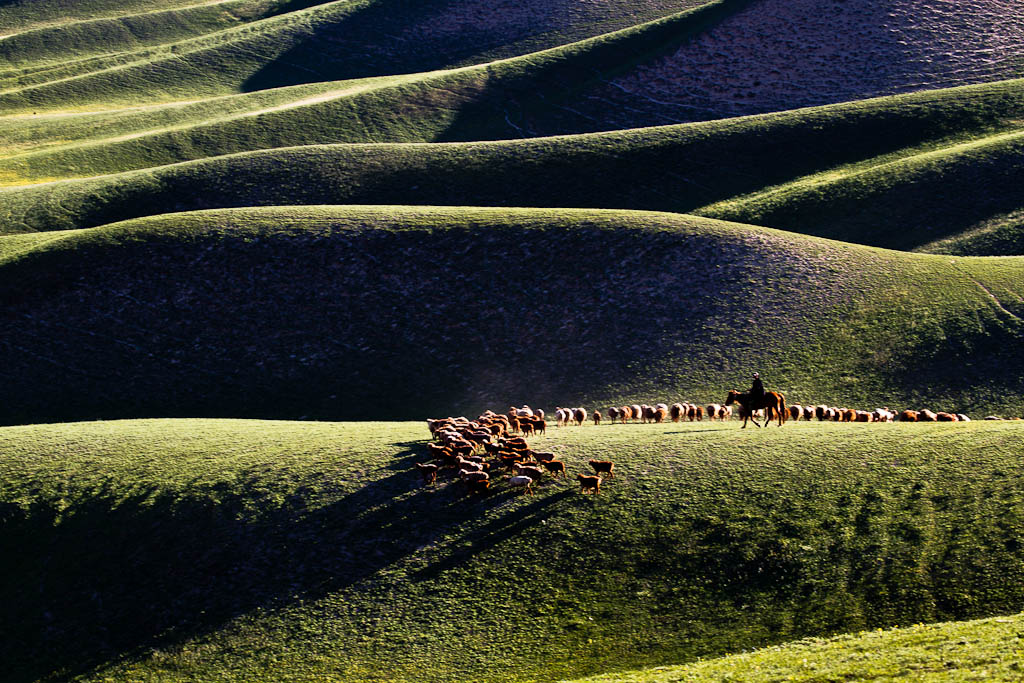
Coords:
333,312
186,550
783,54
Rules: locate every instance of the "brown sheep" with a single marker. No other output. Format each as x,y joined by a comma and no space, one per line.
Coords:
796,411
470,476
428,471
602,466
808,412
554,467
597,418
676,412
713,410
479,486
541,456
626,413
613,414
638,412
945,417
908,416
927,416
588,483
579,416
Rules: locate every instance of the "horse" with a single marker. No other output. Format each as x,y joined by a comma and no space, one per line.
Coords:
774,405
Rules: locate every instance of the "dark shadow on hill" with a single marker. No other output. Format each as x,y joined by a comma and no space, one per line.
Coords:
538,100
315,325
111,577
396,37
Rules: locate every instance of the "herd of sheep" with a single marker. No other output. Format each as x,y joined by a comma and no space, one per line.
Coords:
477,451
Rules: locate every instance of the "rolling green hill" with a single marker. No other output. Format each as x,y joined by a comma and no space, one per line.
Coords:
333,312
987,649
261,550
354,214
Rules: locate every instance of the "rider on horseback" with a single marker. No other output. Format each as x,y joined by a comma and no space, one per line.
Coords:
757,390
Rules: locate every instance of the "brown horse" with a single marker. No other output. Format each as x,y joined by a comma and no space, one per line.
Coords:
774,405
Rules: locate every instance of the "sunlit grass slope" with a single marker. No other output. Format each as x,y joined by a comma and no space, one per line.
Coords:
342,40
186,550
332,312
983,649
898,172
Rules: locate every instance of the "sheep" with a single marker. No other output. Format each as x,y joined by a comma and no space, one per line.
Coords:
962,418
471,476
597,418
539,425
927,416
796,411
809,412
525,482
613,414
529,471
554,467
626,413
725,413
712,410
580,416
908,416
428,471
480,486
638,412
602,466
676,412
542,456
469,465
945,417
589,483
562,416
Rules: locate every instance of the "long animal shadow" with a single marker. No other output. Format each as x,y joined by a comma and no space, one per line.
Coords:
113,576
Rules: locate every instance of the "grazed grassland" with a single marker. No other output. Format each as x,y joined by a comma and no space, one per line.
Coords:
261,550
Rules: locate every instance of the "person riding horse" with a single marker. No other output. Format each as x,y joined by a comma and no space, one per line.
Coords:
757,391
773,403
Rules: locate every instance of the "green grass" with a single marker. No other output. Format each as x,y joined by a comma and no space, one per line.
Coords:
302,46
332,312
887,157
242,550
984,649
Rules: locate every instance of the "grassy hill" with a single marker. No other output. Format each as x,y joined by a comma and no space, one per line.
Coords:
383,210
261,550
333,312
985,649
899,172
